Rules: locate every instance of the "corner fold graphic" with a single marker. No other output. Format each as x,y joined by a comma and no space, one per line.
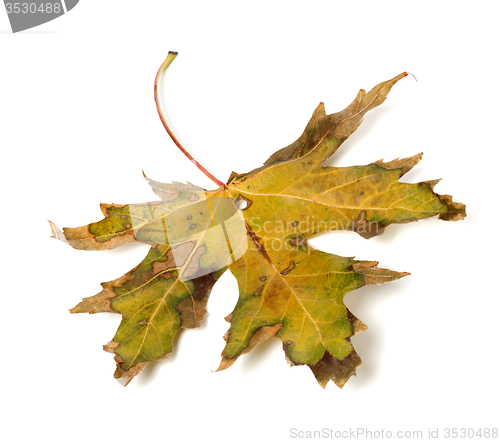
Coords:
28,15
70,4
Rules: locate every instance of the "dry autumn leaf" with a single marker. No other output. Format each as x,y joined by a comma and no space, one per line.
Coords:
257,226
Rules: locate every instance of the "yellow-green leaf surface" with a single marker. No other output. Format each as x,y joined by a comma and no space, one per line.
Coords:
258,226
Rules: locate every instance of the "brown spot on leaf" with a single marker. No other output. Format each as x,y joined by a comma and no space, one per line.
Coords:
143,322
288,269
163,265
259,291
367,229
189,217
194,197
295,223
192,226
263,278
298,242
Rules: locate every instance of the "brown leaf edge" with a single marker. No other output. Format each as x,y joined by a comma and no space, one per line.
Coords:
124,377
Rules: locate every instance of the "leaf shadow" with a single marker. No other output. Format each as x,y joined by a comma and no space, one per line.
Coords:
251,362
150,372
364,303
396,232
134,248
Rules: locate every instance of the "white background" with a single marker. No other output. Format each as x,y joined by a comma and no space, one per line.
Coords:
77,126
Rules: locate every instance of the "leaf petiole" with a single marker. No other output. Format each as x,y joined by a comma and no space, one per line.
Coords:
170,57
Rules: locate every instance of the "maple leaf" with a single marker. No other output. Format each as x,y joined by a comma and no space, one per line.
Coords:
257,226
